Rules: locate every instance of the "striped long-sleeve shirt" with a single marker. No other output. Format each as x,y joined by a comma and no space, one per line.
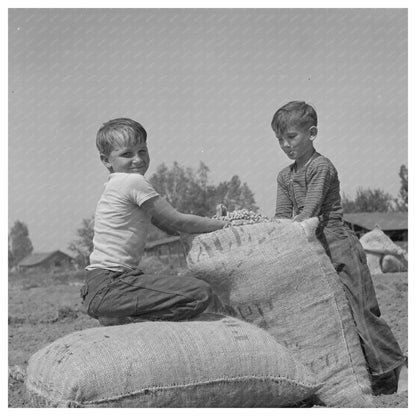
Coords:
311,191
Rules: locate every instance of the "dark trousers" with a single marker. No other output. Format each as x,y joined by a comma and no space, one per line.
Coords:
133,293
380,347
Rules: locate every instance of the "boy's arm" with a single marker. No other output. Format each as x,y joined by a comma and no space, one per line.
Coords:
165,216
319,183
165,228
284,205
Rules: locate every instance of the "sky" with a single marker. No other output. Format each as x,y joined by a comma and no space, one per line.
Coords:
205,84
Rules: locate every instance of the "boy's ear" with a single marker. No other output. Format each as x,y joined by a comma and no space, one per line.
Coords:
313,132
104,159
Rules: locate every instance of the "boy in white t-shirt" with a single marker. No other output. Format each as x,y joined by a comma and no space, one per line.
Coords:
116,290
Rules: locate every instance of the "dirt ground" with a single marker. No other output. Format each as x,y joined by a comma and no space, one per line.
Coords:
43,308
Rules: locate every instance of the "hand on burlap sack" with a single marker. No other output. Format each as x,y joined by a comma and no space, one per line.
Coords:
221,210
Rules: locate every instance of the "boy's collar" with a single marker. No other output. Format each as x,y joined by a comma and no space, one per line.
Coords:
294,165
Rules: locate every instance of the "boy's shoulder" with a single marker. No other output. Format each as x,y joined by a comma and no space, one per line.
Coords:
125,182
321,160
126,177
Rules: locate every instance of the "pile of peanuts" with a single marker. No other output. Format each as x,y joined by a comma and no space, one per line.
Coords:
242,217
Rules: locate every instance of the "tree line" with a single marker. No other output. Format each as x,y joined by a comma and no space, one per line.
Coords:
191,191
376,200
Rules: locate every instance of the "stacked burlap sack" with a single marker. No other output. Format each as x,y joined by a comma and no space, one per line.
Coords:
212,361
277,276
383,256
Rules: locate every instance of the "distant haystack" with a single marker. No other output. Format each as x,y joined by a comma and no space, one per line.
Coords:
383,256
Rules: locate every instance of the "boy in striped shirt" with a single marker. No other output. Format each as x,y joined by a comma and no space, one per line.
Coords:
309,187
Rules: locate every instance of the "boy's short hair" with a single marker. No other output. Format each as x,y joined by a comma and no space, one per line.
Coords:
297,112
118,132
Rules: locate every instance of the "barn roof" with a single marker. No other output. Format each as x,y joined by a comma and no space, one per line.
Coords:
38,258
386,221
161,242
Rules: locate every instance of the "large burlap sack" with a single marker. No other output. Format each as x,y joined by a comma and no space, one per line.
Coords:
277,276
212,361
383,256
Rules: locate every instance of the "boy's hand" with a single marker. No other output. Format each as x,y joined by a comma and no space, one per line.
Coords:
221,210
227,224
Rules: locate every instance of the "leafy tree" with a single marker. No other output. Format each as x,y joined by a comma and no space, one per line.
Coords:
19,243
191,192
83,245
11,259
348,205
402,201
174,184
368,200
235,195
204,194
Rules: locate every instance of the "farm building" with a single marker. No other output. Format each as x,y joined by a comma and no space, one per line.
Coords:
393,224
51,261
168,250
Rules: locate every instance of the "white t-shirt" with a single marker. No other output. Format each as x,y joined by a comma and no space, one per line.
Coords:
120,225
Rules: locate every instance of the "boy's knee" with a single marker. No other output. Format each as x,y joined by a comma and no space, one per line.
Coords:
98,305
92,310
208,301
203,295
199,296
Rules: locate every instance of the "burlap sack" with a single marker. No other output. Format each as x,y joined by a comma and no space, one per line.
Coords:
212,361
277,276
383,255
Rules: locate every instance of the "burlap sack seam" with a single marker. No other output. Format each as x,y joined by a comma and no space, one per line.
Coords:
239,379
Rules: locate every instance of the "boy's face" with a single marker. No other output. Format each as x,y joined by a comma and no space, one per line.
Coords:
128,158
296,141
